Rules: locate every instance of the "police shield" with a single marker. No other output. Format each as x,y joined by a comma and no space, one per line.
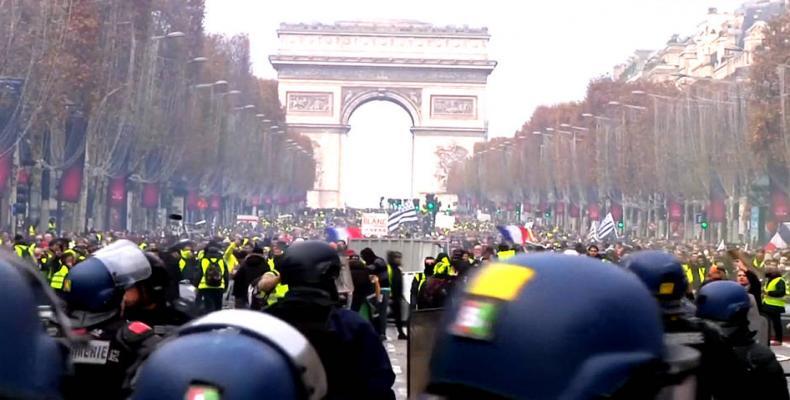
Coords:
423,326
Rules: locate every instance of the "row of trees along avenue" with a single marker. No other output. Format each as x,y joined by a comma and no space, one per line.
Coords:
115,112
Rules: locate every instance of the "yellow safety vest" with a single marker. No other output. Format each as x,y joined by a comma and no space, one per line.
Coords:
280,290
443,267
773,301
702,273
420,277
204,264
182,263
689,274
504,255
230,258
31,231
21,250
757,265
58,278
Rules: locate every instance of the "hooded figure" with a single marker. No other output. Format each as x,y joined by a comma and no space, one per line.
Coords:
252,267
376,265
356,364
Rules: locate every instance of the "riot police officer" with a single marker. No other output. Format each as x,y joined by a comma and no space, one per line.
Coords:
149,301
726,304
241,354
109,345
516,321
32,364
665,278
356,363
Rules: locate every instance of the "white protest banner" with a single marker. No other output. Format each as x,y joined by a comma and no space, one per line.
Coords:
445,221
374,224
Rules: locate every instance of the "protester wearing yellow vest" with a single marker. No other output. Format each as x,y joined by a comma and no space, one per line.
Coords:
280,290
213,279
773,300
188,266
66,262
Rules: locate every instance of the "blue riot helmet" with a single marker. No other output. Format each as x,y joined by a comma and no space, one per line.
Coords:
95,287
233,355
550,326
723,301
663,275
31,362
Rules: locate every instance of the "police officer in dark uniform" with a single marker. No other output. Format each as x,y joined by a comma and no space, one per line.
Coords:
665,278
233,355
726,305
109,345
356,363
32,364
149,301
606,343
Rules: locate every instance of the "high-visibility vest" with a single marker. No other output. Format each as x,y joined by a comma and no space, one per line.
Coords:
689,274
204,264
443,267
770,287
702,272
420,278
58,278
182,263
280,290
51,226
504,255
21,250
757,265
31,231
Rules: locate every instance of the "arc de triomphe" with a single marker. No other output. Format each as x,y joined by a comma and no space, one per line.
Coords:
437,74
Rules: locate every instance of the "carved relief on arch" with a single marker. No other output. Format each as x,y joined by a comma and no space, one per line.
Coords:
410,99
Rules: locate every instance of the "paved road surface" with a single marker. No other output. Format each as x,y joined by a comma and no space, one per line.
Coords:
397,352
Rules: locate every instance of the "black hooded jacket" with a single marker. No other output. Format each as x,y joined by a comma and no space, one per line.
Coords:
376,265
251,268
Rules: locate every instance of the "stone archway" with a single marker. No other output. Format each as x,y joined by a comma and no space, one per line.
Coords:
437,74
409,99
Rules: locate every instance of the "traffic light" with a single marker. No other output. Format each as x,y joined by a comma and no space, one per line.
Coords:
431,204
620,224
547,214
703,225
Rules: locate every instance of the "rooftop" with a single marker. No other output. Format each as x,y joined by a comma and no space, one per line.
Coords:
384,27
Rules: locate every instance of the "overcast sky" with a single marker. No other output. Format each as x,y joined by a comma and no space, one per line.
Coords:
547,50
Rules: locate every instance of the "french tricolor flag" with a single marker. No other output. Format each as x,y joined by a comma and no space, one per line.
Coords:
516,234
781,239
344,234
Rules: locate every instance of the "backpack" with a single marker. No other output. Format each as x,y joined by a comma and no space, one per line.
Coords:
434,292
213,273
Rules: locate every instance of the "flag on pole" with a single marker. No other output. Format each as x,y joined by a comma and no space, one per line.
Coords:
721,246
399,217
593,234
516,234
781,239
344,234
607,227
